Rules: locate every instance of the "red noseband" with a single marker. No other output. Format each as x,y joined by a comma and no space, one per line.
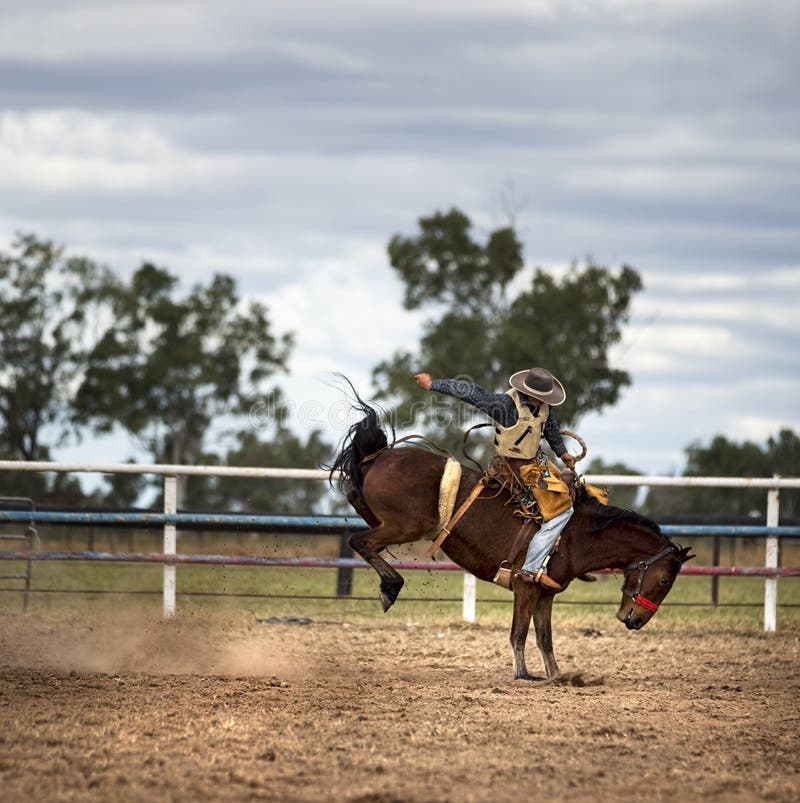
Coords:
645,603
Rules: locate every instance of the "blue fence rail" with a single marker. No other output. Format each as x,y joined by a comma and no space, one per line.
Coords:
317,525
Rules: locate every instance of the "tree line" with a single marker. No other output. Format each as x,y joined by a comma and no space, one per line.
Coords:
84,352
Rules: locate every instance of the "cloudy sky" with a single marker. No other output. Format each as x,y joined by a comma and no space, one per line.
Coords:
285,142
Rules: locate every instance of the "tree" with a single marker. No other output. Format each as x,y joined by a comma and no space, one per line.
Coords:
170,365
122,490
725,458
49,306
283,450
783,458
484,329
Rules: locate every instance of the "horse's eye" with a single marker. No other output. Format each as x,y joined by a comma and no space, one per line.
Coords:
665,581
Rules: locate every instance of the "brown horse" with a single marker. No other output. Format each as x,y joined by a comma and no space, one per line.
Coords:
396,491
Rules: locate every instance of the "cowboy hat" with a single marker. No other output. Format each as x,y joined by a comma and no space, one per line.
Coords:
540,384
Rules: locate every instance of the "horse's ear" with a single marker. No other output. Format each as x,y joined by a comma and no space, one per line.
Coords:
684,555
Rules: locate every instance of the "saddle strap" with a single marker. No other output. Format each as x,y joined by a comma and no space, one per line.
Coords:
465,505
519,540
503,575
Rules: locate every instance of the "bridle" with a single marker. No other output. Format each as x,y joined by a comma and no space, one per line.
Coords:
643,566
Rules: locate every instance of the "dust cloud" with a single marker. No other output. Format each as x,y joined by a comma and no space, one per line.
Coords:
226,645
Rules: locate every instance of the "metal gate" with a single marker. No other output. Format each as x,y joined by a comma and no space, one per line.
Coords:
29,536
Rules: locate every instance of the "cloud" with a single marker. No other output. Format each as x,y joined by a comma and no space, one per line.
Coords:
286,148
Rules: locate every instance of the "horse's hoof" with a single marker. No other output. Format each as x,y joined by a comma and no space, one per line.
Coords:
526,676
389,592
587,578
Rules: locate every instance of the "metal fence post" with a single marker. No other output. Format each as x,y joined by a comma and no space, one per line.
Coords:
771,562
170,544
344,574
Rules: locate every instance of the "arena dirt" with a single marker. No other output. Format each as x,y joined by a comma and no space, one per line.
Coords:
228,708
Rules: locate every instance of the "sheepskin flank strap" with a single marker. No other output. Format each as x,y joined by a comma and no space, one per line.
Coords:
445,531
448,490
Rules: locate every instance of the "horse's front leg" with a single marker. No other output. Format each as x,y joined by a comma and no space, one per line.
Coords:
544,633
525,598
368,544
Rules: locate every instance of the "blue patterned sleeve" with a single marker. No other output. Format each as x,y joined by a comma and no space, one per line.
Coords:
498,406
552,433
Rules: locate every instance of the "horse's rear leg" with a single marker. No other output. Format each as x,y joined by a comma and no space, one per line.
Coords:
525,598
544,633
363,509
391,581
368,544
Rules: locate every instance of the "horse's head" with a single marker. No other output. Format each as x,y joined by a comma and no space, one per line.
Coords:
647,582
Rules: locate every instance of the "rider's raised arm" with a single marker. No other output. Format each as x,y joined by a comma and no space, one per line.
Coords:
499,407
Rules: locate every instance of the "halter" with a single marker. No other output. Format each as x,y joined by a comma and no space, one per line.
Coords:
643,566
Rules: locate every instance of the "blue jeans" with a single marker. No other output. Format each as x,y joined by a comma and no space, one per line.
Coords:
543,540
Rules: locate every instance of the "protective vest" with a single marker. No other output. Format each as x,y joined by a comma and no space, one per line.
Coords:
523,438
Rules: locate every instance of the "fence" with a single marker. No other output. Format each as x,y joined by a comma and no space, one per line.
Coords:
171,519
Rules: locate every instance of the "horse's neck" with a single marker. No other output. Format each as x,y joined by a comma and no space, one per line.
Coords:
616,546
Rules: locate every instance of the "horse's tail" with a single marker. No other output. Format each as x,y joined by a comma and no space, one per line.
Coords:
364,438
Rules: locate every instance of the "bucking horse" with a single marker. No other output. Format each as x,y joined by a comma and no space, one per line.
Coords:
396,491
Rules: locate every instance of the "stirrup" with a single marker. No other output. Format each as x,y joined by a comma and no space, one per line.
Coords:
503,576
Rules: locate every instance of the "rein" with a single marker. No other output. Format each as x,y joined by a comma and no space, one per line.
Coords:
643,566
464,440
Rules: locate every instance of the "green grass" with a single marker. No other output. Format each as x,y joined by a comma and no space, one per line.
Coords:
64,584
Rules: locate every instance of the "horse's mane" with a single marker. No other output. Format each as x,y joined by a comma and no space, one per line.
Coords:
604,516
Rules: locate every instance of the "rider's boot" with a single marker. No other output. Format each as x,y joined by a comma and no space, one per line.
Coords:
544,580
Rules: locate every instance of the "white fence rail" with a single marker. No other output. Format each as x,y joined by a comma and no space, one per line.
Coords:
772,485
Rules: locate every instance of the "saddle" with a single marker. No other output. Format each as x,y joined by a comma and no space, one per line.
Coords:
538,491
538,496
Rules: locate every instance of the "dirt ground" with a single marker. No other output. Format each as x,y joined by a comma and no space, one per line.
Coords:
226,707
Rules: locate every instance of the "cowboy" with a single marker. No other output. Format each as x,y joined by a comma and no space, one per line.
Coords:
522,417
